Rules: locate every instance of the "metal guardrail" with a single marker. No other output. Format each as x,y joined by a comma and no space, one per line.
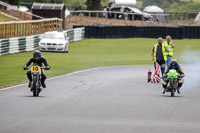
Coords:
173,17
186,17
105,14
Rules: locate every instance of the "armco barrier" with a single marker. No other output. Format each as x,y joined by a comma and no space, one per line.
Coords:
178,32
29,43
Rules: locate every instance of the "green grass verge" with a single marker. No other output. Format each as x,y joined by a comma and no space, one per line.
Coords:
88,54
5,19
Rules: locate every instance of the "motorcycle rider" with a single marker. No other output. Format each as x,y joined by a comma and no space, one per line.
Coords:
176,66
38,59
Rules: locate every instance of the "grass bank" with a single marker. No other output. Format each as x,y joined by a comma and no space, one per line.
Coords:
89,54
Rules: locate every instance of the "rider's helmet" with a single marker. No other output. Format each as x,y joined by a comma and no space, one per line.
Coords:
174,64
37,54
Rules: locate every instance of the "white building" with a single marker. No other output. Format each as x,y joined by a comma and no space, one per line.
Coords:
156,12
197,19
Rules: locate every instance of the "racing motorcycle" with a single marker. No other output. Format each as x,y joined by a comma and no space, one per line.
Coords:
173,77
36,72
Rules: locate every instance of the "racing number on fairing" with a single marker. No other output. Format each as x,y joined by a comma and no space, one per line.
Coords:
35,68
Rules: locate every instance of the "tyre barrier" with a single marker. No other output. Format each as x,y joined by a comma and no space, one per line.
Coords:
21,44
178,32
75,34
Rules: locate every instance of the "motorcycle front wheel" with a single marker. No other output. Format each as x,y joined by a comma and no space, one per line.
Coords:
35,90
172,93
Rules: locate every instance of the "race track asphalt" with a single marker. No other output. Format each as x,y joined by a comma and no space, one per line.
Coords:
114,99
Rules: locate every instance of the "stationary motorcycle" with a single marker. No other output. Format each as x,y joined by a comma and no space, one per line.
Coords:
173,77
36,86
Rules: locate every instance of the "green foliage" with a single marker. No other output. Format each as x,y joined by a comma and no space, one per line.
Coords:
184,11
185,6
174,4
12,2
180,11
99,4
104,3
161,3
72,4
139,5
93,4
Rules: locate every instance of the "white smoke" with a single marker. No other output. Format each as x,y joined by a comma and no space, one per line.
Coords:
190,56
191,67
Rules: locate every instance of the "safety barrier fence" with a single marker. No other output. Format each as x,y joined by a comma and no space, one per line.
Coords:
75,34
24,28
113,15
29,43
16,45
179,32
174,17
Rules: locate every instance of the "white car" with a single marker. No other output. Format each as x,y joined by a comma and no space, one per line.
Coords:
54,41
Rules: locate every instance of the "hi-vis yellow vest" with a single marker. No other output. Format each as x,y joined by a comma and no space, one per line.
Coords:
169,46
163,51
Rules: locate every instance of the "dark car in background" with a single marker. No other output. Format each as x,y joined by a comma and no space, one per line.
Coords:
125,13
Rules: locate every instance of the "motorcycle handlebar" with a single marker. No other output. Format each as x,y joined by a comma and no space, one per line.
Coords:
40,67
31,66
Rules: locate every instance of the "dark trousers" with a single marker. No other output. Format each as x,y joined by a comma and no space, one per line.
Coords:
162,64
43,77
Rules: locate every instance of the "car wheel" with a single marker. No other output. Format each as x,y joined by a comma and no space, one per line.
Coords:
66,51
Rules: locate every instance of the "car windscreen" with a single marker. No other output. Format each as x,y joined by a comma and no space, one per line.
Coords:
115,9
135,10
53,36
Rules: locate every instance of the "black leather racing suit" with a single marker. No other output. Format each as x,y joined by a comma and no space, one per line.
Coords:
39,62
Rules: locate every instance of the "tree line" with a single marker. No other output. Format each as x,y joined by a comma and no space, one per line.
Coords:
182,5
